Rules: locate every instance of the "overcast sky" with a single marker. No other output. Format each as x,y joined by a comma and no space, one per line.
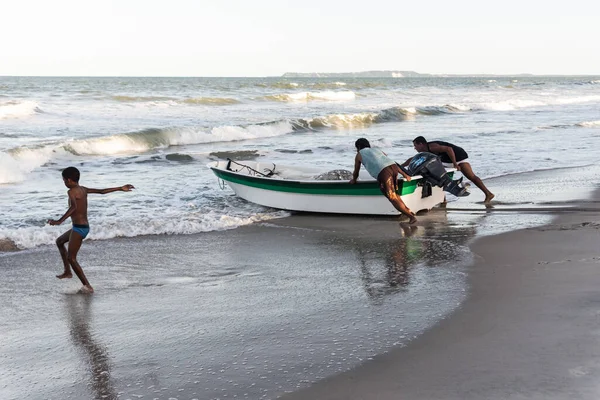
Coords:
270,37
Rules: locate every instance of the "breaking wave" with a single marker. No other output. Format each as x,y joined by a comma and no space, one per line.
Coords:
216,101
585,124
308,96
18,109
15,164
154,224
589,124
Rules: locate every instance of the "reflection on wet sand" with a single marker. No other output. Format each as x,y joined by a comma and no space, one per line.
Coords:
78,310
385,265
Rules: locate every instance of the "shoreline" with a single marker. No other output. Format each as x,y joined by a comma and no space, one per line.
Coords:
529,328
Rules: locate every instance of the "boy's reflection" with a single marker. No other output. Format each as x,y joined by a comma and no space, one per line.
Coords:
78,308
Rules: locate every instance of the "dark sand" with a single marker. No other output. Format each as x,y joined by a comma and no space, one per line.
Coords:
365,307
530,328
250,313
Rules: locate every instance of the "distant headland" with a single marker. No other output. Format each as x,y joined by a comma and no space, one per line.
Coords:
379,74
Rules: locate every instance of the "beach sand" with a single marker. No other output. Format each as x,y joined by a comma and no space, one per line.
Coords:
252,312
529,329
324,307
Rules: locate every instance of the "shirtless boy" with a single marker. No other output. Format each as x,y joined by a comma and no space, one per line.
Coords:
78,213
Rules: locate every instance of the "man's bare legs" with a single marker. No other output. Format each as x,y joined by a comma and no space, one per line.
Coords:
388,187
467,171
400,206
74,245
60,242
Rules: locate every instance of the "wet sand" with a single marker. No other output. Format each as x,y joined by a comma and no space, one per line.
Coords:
529,329
328,307
251,313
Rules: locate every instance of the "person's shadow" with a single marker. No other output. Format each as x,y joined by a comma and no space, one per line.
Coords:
95,355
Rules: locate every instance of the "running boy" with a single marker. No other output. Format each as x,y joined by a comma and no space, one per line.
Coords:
78,213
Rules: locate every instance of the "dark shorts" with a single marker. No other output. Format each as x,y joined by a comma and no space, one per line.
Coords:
388,180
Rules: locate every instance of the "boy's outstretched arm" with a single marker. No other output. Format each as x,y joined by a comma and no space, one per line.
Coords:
124,188
70,211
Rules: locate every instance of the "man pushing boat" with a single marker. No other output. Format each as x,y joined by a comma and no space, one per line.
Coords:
385,170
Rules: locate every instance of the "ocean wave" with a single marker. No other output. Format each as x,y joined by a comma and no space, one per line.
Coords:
589,124
345,121
278,85
217,101
18,109
140,99
513,104
15,164
156,138
176,101
585,124
308,96
184,224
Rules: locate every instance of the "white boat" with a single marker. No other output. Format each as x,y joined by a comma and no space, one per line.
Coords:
297,189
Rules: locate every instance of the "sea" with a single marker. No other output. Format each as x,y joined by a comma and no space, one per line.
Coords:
200,294
159,133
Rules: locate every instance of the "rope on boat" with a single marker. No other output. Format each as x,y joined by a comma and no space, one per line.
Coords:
270,172
221,183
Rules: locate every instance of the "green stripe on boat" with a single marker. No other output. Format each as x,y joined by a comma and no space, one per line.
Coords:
365,188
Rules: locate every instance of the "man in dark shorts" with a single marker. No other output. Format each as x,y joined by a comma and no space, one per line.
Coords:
385,170
451,156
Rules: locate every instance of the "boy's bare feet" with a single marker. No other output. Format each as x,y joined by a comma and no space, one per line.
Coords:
489,198
65,275
86,289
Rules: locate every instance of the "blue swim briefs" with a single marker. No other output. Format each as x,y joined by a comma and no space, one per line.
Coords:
83,230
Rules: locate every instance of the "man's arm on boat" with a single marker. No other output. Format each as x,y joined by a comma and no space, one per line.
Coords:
405,163
357,163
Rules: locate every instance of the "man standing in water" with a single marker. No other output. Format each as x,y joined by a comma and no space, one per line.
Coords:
78,213
451,156
385,170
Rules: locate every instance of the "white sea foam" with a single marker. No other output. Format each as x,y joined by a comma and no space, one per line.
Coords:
513,104
575,100
16,164
139,142
152,224
18,109
508,105
589,124
308,96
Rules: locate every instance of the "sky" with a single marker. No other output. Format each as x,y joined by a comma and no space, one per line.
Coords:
271,37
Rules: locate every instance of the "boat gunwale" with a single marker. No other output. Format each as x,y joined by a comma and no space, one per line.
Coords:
304,181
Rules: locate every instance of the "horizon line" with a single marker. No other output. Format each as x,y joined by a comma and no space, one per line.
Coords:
426,75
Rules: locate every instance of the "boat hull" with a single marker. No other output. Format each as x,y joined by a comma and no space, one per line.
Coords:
338,197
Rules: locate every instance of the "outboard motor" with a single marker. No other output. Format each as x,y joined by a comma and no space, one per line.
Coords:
429,166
